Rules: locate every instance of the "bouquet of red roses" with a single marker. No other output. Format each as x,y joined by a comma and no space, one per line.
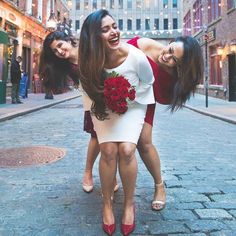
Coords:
118,92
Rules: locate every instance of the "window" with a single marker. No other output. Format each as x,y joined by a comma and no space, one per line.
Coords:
165,3
175,23
129,4
77,5
138,24
215,70
174,3
129,24
156,24
77,24
147,4
120,24
120,4
230,4
214,10
187,24
165,24
112,4
103,4
147,24
197,16
29,7
138,4
95,4
86,4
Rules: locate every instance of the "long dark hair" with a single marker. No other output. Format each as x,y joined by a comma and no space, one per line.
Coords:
92,60
52,69
189,72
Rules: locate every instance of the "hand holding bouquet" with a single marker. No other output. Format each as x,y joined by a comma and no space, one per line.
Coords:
118,92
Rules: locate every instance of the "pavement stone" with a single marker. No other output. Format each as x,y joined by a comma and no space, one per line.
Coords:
48,199
213,214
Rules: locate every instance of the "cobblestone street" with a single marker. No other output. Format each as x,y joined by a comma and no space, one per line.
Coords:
198,165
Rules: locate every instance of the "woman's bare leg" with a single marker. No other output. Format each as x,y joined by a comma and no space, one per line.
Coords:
151,159
128,174
107,171
92,153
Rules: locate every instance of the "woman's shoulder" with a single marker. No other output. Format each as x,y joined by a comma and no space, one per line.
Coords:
150,47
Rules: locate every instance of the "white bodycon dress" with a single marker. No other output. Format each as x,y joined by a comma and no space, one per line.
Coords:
127,127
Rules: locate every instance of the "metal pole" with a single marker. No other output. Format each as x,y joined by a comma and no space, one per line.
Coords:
206,68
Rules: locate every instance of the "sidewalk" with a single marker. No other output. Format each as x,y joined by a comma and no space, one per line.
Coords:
217,108
33,103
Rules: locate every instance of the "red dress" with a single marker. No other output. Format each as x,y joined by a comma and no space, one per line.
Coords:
163,86
163,89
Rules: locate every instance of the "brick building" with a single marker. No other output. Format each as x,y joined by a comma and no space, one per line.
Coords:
215,22
25,23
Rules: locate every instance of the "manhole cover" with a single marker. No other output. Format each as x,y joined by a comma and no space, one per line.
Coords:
29,156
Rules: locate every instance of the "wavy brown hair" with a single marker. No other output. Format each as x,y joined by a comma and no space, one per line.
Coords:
92,60
189,72
53,69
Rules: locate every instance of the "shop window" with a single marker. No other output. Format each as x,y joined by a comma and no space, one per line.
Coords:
11,29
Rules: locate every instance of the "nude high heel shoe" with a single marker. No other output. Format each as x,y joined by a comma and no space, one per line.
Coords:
158,205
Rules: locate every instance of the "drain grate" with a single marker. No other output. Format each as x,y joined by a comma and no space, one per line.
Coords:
30,156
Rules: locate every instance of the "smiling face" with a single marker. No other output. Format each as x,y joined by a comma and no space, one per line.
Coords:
172,54
110,33
61,48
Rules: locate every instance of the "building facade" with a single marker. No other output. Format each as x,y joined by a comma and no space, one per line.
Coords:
213,24
25,24
158,19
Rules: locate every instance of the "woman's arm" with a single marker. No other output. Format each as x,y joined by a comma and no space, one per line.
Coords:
150,47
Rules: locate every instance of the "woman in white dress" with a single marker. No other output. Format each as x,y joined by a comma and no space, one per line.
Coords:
101,52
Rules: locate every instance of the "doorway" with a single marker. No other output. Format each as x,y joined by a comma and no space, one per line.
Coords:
232,77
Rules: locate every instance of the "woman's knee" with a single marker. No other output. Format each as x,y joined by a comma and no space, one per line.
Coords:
144,146
109,152
126,151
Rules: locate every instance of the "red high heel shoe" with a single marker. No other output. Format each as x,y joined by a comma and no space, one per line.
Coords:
109,229
128,229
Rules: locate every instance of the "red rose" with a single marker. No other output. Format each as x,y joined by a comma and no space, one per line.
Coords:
117,91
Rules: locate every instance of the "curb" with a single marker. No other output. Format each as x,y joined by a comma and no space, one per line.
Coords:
211,114
30,110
